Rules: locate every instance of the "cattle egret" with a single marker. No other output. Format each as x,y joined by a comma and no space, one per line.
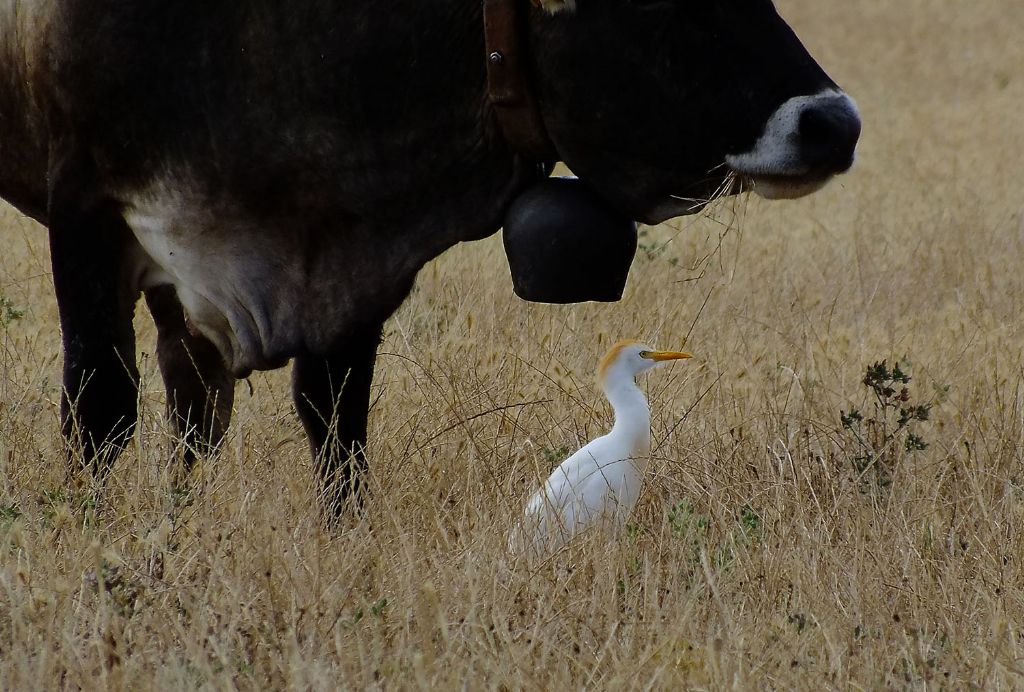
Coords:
599,485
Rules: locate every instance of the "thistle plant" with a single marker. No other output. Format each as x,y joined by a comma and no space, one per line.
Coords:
879,437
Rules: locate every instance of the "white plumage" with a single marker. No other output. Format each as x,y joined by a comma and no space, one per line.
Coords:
599,485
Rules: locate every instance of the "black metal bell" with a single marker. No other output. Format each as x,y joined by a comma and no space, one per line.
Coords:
566,245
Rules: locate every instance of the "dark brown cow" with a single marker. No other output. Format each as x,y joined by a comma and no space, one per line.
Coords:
272,175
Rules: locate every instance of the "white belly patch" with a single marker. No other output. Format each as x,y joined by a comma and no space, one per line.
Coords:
231,279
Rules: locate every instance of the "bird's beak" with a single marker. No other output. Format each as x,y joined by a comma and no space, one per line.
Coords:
659,356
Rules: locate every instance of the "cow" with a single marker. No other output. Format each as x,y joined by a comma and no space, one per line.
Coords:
271,176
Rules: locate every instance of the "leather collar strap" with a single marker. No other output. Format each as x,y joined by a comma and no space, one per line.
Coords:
507,86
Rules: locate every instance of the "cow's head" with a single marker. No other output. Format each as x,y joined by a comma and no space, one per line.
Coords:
659,103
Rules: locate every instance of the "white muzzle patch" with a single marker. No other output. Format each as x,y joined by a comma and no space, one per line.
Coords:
779,166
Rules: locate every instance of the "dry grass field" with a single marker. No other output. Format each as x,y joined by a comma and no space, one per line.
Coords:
767,551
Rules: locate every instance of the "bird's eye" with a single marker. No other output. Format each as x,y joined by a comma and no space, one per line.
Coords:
644,354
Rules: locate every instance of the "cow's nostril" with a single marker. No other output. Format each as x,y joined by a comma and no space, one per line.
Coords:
828,135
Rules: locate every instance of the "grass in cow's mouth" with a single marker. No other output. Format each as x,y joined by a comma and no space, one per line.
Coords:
729,185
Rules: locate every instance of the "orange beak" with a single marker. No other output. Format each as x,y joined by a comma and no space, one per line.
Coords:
667,355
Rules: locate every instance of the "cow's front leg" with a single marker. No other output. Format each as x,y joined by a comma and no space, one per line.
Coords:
332,396
200,389
89,249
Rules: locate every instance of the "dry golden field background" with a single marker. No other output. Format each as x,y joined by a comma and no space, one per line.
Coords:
765,553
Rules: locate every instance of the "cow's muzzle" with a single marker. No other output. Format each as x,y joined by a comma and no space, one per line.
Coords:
807,141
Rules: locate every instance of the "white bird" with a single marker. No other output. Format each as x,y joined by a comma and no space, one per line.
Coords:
599,485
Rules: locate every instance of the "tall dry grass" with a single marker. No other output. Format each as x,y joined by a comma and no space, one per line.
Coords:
761,556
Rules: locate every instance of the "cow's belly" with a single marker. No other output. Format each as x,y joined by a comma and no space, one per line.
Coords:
224,278
261,295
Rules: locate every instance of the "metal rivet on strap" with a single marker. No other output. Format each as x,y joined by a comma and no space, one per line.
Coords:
496,57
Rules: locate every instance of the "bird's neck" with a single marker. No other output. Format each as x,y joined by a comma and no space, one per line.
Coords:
632,415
